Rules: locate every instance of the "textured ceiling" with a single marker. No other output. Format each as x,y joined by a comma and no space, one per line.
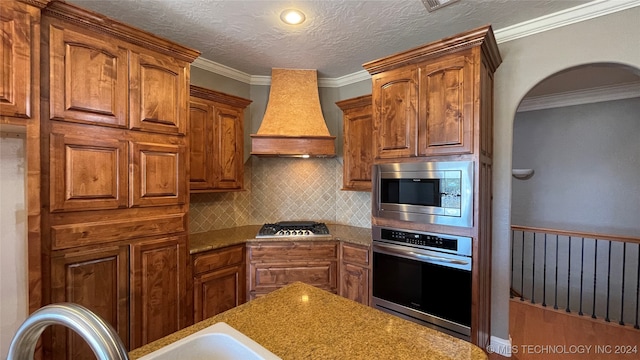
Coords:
337,38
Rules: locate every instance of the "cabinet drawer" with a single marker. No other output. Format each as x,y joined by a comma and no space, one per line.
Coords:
273,275
292,251
215,259
357,255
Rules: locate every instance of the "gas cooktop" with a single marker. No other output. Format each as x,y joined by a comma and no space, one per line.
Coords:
293,229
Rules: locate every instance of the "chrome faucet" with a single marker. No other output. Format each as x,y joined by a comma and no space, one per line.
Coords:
101,336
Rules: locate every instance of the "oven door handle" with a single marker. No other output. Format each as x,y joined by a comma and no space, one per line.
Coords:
439,259
410,254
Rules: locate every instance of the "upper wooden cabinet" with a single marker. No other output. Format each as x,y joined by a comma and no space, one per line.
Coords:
88,75
358,143
158,93
216,141
113,77
428,101
19,62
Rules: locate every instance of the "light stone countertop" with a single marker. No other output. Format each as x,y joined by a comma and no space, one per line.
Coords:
300,321
215,239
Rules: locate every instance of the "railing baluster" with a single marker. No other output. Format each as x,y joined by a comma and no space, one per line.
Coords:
606,318
513,235
555,299
569,277
581,274
637,326
595,275
544,274
533,274
522,271
624,260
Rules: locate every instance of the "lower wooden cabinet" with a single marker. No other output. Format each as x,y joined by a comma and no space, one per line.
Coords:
273,265
355,270
159,298
97,279
218,282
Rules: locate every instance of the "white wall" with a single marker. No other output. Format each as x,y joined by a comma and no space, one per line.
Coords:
527,61
587,164
13,238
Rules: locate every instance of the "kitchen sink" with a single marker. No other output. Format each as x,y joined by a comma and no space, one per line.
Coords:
218,341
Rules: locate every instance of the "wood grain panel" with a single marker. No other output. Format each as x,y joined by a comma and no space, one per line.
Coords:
357,143
216,259
228,138
354,283
98,280
159,175
356,254
200,144
446,123
88,78
281,251
158,288
87,173
85,233
277,274
158,88
218,291
15,59
395,111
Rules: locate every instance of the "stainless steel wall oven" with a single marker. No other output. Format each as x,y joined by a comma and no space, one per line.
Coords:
423,277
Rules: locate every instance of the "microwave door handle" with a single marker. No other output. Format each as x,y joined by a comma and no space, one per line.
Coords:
439,258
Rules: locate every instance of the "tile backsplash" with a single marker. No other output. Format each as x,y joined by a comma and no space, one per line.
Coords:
281,189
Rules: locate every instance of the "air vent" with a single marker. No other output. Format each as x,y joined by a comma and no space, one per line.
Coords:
433,5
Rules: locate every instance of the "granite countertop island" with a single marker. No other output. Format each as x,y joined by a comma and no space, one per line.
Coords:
300,321
215,239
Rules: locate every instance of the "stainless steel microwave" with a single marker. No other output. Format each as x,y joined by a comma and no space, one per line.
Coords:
433,192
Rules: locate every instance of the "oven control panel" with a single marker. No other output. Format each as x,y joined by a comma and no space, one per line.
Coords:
419,239
460,245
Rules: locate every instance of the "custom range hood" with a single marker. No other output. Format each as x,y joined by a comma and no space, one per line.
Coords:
293,125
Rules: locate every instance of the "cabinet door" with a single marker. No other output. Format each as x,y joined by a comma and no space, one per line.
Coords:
87,172
159,88
358,138
97,279
15,59
446,117
395,113
355,273
200,144
218,291
228,155
158,288
88,78
158,176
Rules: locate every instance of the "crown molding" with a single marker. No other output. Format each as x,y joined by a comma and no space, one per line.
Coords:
581,97
565,17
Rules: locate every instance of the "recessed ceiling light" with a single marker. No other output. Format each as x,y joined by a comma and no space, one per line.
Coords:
292,17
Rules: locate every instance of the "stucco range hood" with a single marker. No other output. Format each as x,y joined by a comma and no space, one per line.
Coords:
293,124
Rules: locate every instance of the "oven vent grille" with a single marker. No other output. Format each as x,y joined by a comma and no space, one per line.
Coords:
433,5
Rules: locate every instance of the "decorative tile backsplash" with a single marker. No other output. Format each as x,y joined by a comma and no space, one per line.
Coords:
281,189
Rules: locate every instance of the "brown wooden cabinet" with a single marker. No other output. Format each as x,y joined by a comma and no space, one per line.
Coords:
395,113
436,102
19,24
355,270
218,282
358,143
446,106
272,265
159,295
114,109
216,141
97,278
